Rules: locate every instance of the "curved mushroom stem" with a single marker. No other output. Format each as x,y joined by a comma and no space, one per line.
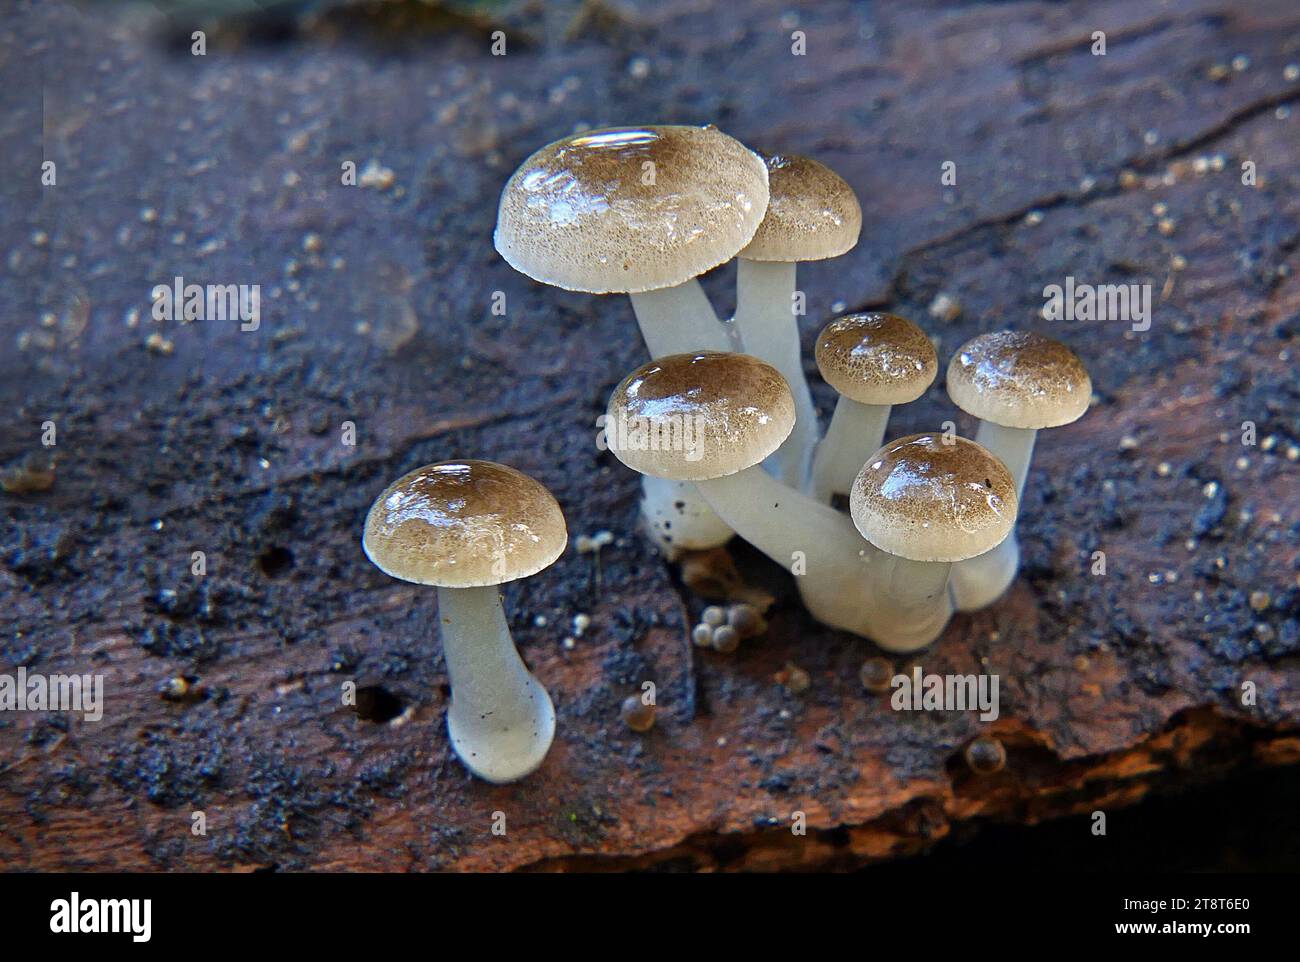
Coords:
675,320
855,433
831,562
980,581
501,720
769,330
845,581
672,321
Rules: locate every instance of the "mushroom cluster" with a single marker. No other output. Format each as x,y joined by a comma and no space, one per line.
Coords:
647,210
726,436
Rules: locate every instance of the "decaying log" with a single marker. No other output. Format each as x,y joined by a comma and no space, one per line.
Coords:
175,438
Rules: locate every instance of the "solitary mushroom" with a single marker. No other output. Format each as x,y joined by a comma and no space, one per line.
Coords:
874,361
1016,383
642,211
468,527
927,501
742,410
812,214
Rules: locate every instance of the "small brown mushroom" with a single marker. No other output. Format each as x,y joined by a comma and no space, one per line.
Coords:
927,501
1016,383
468,527
874,361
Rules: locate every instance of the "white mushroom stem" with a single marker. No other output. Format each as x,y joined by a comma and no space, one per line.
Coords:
855,433
678,517
980,581
914,604
769,329
501,720
1012,446
675,320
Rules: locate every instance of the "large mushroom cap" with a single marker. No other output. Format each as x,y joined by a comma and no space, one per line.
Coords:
812,213
464,524
928,498
692,417
630,209
1020,380
876,358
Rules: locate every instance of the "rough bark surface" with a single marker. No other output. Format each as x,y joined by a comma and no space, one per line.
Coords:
174,438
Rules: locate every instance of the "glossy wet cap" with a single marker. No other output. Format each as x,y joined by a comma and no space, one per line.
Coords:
630,209
692,417
464,524
812,213
876,358
925,500
1020,380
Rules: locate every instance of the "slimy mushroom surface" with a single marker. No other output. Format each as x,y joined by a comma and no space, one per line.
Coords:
464,524
631,209
874,361
702,415
1019,379
934,499
468,527
812,213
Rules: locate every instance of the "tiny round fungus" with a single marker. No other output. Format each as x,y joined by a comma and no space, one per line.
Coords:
1016,383
702,635
927,501
467,527
746,619
874,361
726,639
812,214
876,674
985,755
713,616
636,714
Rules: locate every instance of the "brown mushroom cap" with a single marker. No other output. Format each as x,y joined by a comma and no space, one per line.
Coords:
692,417
631,209
876,358
925,500
812,213
1020,380
464,524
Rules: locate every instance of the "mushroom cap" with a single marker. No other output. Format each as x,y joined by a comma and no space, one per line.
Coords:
692,417
464,524
923,499
579,213
812,213
1019,379
876,358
